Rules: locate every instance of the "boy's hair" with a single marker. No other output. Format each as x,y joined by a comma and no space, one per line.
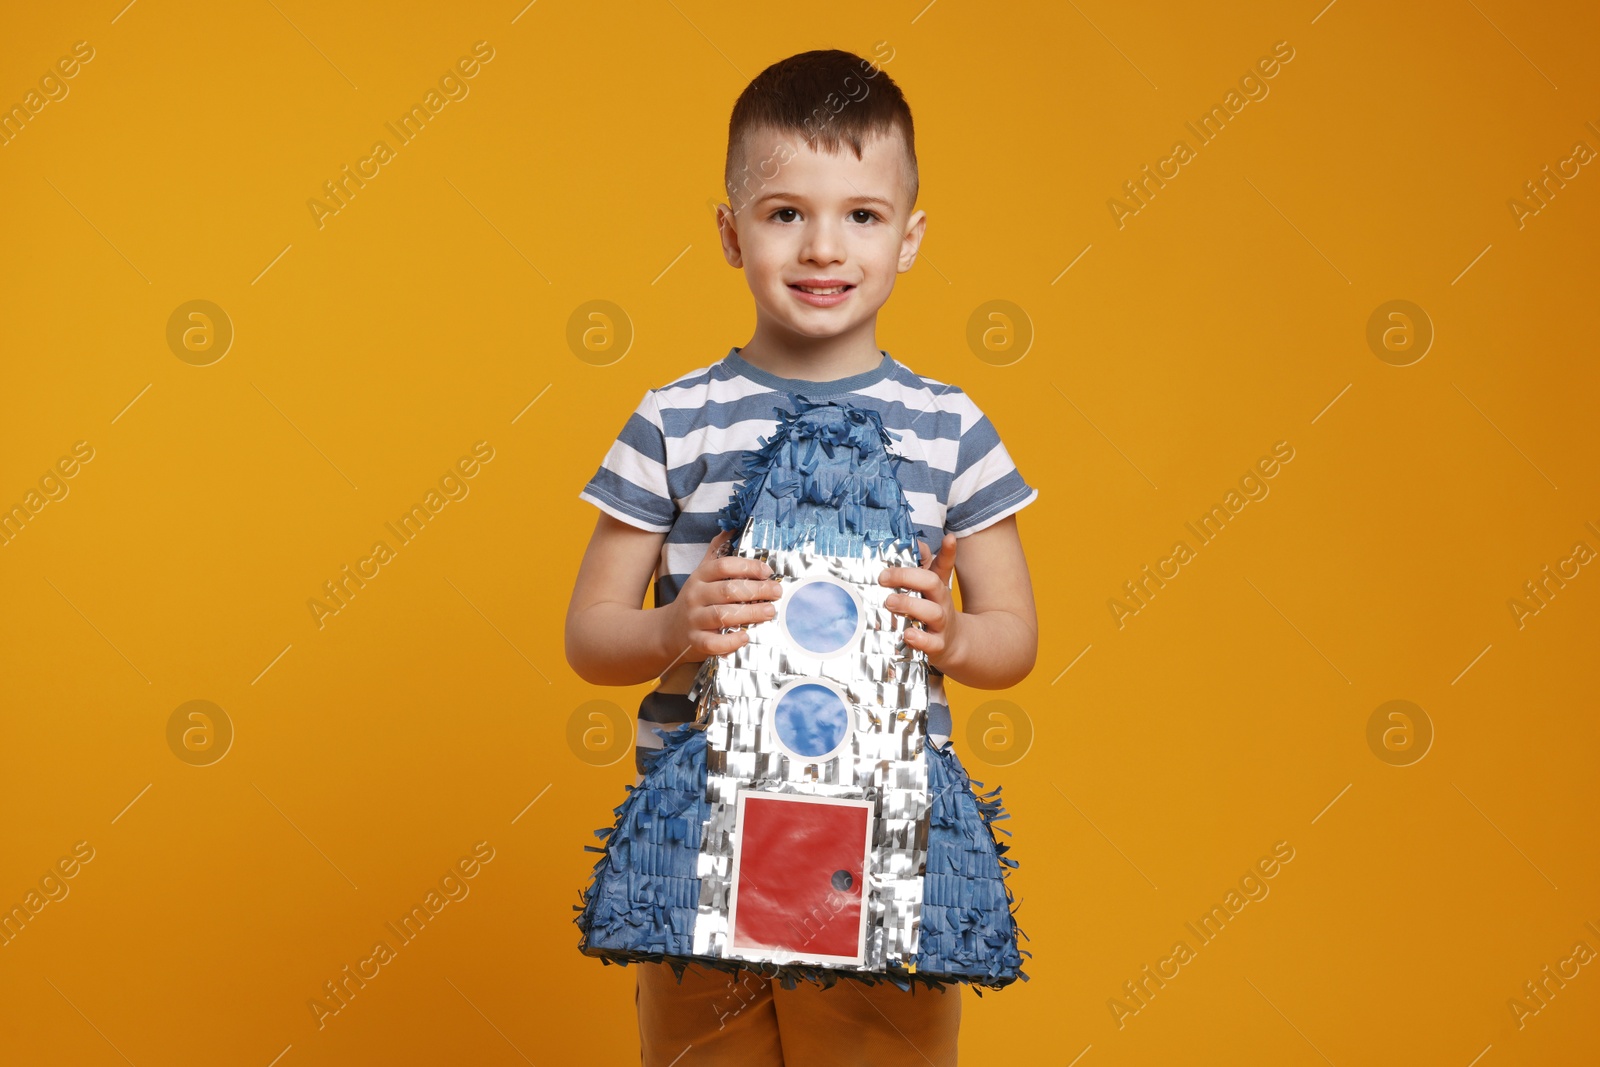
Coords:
829,98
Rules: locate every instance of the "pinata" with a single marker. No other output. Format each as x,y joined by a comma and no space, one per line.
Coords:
804,827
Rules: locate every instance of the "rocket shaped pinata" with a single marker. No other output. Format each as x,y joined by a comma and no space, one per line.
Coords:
803,826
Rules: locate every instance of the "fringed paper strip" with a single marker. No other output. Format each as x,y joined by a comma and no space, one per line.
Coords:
640,905
825,476
969,928
644,893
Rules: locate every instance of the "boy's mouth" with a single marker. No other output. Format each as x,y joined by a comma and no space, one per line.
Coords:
821,295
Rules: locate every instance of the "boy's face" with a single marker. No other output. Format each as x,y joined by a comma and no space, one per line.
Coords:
808,217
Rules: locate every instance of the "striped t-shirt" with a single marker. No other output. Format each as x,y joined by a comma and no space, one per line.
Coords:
675,464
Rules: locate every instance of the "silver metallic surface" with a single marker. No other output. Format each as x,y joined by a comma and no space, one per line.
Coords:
886,688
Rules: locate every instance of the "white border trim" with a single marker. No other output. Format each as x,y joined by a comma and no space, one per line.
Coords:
779,955
852,644
849,729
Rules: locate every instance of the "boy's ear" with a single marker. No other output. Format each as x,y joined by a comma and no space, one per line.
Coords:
916,226
729,235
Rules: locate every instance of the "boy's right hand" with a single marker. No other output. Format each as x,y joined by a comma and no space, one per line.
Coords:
722,591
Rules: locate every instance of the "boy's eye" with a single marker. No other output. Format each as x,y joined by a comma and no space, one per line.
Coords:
787,214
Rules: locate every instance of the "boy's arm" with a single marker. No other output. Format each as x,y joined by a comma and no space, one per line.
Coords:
995,638
993,641
610,639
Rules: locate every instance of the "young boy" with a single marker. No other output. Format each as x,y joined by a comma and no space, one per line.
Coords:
822,178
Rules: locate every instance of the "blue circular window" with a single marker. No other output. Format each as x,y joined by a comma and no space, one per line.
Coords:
812,720
822,617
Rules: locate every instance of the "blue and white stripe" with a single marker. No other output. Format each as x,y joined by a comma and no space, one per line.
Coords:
675,463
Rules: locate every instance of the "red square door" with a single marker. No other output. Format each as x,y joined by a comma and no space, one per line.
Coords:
799,865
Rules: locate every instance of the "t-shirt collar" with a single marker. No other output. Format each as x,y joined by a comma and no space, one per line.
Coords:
744,368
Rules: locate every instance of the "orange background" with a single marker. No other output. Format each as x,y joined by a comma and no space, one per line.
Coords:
1228,314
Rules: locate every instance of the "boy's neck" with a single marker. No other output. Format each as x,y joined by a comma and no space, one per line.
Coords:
813,359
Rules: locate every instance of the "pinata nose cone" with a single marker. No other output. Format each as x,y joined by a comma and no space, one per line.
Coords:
827,477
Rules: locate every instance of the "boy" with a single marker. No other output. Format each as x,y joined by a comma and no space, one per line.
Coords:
821,222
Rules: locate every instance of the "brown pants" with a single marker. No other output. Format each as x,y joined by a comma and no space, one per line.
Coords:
713,1019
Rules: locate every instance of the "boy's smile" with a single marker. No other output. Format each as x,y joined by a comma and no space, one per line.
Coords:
822,292
820,237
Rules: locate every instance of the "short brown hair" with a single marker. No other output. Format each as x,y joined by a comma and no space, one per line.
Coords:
830,98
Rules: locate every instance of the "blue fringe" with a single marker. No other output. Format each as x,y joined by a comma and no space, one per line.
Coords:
641,902
969,928
825,477
644,894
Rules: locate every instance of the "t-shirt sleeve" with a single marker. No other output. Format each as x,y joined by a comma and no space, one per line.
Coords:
631,484
987,486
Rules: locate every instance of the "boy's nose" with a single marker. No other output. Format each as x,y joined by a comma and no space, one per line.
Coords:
824,244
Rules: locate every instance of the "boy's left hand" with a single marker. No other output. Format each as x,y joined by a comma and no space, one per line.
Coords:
935,608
